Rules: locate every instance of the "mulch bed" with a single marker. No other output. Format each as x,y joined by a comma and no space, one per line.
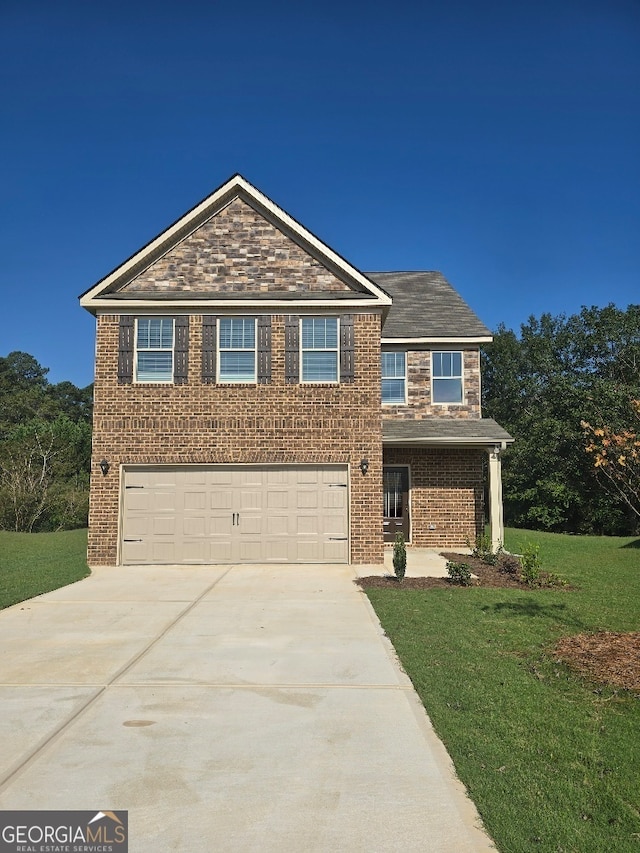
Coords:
606,657
487,576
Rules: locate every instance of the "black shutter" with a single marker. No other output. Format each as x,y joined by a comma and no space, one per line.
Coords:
209,349
292,349
346,348
125,350
181,350
264,350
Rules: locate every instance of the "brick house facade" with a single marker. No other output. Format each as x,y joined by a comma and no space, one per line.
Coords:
239,413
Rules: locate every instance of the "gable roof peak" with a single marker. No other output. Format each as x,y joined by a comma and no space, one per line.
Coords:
236,186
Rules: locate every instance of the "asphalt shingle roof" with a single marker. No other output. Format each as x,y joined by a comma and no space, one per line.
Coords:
425,305
471,430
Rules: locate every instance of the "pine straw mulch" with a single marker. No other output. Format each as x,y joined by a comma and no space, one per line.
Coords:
606,657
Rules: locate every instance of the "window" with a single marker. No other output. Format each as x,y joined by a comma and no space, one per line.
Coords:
446,368
154,349
319,349
237,347
394,377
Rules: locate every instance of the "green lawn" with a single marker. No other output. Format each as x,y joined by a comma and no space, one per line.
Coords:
552,762
33,563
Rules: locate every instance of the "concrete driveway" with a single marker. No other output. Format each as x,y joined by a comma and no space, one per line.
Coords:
242,708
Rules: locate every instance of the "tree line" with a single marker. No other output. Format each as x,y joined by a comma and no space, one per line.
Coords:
566,388
45,448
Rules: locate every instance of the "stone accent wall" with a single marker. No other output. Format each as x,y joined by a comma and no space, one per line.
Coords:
447,494
237,251
419,389
271,423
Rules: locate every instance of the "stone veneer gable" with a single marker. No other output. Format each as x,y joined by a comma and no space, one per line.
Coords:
237,251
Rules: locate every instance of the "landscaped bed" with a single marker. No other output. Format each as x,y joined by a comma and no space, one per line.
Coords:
535,691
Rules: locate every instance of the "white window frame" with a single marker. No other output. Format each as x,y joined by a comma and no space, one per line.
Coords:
335,349
435,378
138,349
404,378
223,380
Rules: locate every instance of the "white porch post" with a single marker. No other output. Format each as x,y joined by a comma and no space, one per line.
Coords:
496,517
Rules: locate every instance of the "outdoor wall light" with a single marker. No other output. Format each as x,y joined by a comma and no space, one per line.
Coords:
104,467
364,466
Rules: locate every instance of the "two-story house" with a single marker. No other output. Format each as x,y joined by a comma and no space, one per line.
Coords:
259,399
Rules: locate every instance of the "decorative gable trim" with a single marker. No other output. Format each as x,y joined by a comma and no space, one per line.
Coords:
102,295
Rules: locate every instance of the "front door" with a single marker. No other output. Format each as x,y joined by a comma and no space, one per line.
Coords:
396,502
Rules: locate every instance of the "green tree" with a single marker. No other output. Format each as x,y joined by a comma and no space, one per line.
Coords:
540,386
45,448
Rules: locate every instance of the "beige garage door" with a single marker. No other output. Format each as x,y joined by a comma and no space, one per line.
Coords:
235,514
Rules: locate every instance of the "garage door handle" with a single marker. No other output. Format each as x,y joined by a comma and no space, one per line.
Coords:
337,485
236,519
133,540
337,538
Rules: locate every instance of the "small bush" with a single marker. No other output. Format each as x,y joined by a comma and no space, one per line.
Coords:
459,573
530,564
483,549
399,556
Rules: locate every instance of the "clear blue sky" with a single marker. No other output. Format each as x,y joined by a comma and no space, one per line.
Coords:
498,142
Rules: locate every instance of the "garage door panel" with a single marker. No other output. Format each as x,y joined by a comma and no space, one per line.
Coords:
194,500
276,525
307,525
306,500
221,499
277,499
163,525
234,513
194,525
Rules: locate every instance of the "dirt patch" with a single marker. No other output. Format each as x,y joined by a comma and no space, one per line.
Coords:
606,657
487,576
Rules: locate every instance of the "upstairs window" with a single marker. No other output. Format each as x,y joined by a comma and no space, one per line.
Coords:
394,377
319,347
154,349
446,370
237,349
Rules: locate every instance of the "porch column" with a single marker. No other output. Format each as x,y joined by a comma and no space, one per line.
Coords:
496,517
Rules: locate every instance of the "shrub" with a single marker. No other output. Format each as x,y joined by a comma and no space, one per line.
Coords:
483,549
399,556
459,573
530,564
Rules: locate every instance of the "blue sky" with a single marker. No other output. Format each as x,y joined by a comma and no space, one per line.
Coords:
498,142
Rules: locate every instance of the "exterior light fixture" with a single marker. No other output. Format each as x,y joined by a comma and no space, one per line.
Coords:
104,467
364,466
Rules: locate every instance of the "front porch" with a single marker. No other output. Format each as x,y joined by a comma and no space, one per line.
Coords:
435,475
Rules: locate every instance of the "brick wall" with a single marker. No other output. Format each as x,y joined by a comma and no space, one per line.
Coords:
271,423
419,403
446,494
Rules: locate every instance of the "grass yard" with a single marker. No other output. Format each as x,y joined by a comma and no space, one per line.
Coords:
33,563
551,761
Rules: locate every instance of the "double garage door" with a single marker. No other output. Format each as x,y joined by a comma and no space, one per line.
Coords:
235,514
